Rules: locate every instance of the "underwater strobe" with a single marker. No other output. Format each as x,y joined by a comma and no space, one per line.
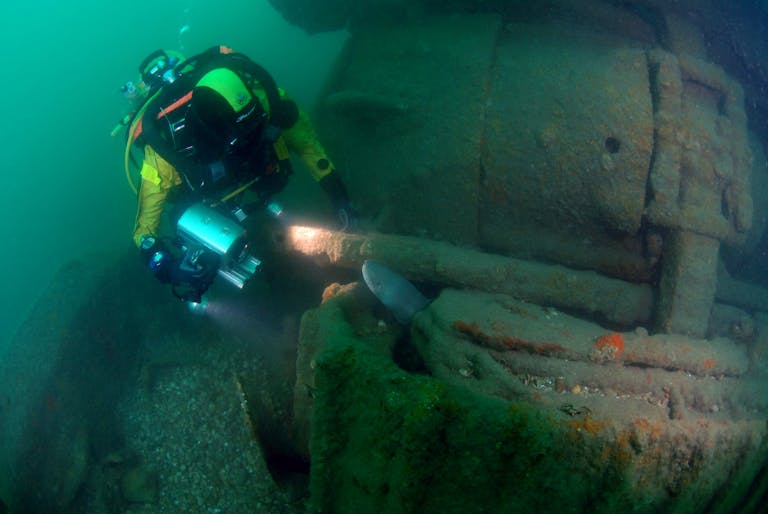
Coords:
201,225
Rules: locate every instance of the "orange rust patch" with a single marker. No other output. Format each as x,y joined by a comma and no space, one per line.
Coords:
587,424
621,450
505,342
613,342
643,426
331,291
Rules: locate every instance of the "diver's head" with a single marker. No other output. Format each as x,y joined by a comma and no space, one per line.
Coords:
159,68
224,111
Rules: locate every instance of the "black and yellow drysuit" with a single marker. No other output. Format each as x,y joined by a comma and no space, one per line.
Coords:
158,176
218,128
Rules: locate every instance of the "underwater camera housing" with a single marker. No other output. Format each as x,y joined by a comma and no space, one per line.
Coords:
202,226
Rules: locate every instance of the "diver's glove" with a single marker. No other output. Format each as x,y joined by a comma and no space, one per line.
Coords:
190,275
334,188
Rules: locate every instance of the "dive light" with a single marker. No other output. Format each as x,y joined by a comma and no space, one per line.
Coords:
204,226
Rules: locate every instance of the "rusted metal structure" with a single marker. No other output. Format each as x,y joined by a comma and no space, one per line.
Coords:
550,143
577,178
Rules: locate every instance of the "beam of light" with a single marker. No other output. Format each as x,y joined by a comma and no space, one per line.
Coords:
307,240
199,308
228,309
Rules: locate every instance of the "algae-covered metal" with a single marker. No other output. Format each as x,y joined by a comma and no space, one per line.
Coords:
549,142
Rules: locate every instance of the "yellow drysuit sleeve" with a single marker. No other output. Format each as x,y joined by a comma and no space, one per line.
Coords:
302,140
157,179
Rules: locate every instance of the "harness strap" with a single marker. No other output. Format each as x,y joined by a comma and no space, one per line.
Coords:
175,105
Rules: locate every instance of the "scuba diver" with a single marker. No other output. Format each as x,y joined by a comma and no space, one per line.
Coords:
209,128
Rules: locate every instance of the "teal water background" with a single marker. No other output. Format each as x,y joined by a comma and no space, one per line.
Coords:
64,195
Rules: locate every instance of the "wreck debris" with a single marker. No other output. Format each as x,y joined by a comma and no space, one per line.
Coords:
443,263
650,421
